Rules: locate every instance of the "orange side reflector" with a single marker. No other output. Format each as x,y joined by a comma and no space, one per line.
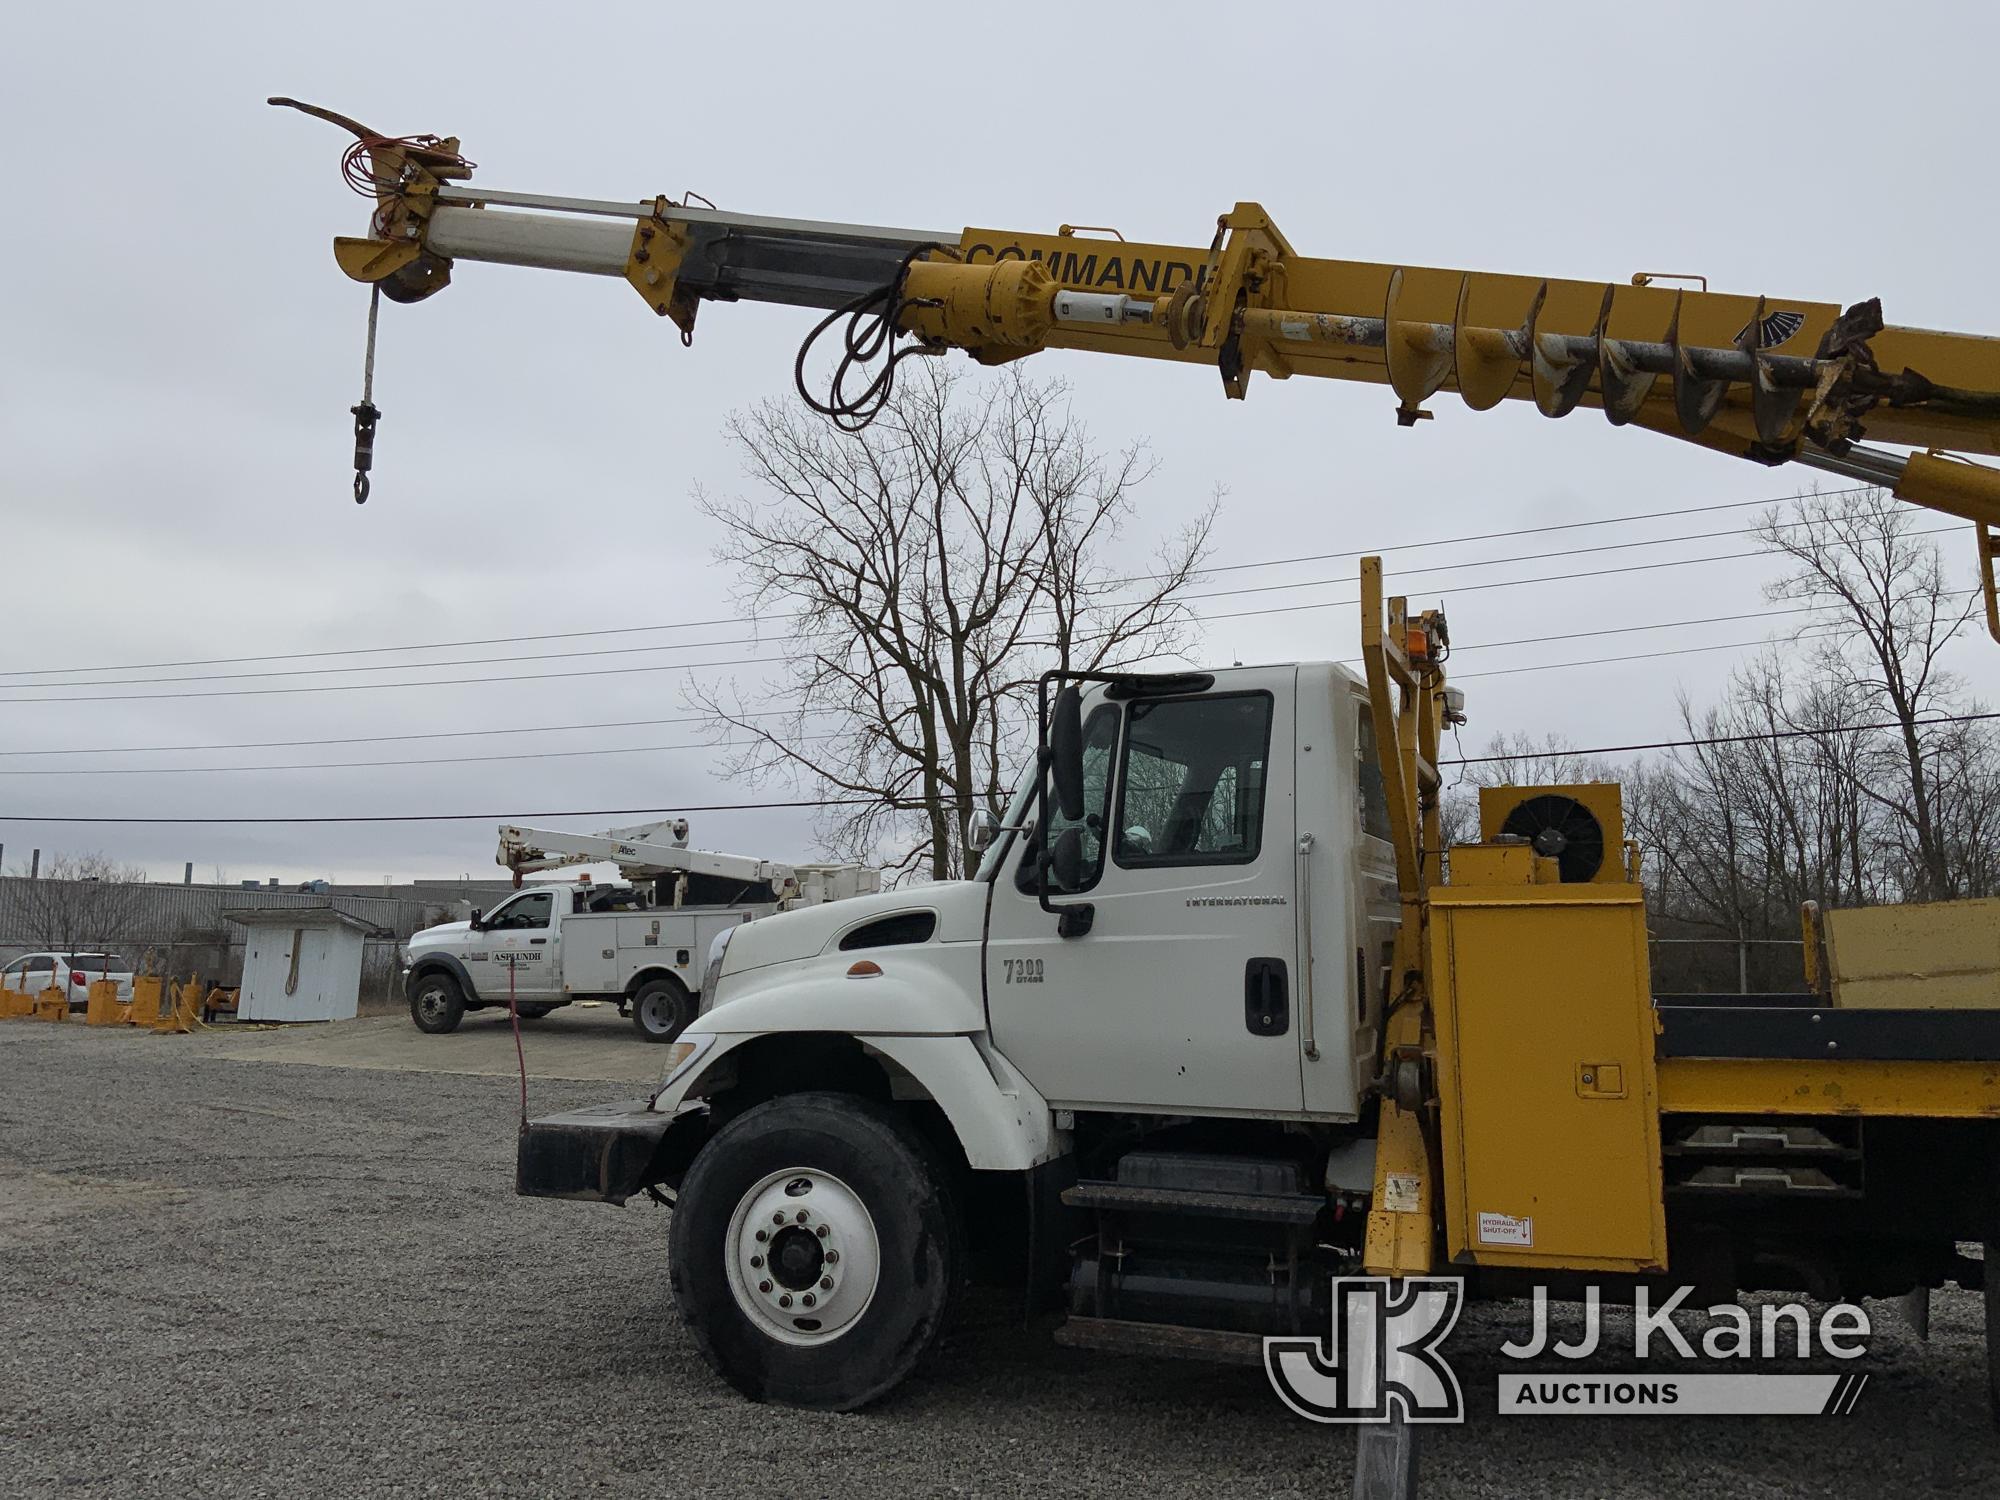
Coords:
863,969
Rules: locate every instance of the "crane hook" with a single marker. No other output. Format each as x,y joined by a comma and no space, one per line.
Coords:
366,413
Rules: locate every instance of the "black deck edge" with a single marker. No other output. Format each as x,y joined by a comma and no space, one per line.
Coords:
1826,1032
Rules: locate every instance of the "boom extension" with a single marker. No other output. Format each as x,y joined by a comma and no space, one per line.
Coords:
1772,380
646,852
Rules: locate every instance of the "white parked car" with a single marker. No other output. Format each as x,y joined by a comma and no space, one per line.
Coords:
72,973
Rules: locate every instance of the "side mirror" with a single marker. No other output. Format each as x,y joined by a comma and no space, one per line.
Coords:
1066,753
1066,859
981,831
476,924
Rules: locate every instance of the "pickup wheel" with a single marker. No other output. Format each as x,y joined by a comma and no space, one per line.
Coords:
814,1251
661,1009
437,1004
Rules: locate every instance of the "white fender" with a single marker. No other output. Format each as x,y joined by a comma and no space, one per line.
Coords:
1001,1122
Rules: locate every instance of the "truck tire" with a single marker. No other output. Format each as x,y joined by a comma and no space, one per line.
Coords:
661,1009
437,1004
864,1207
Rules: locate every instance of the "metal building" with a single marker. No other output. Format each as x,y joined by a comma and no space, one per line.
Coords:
301,964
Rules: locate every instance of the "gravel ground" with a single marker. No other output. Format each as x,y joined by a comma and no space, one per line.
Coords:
246,1278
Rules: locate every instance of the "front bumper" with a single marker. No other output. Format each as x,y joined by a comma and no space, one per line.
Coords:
602,1154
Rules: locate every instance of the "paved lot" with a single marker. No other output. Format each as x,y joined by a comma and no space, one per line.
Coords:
231,1274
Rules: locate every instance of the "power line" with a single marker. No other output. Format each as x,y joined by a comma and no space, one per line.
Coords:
418,666
438,760
1567,635
362,687
482,817
1509,583
621,812
744,661
1720,739
387,739
745,619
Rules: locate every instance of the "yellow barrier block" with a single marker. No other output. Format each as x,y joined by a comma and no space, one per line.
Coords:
148,1000
15,1004
52,1005
103,1007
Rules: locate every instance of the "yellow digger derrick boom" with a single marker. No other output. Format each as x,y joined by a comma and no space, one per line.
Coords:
1771,379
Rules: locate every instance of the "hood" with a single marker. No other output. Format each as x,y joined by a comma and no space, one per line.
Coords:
960,906
443,932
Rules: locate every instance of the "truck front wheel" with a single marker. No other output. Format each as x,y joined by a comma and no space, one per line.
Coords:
661,1009
814,1251
437,1004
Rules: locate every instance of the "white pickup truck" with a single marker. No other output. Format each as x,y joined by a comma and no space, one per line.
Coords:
567,940
641,946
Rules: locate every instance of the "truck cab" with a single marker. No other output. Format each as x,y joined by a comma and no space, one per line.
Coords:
1188,950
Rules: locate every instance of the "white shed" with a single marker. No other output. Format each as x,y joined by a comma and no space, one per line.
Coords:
300,963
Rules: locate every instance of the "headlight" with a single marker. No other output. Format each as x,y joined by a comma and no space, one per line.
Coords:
712,972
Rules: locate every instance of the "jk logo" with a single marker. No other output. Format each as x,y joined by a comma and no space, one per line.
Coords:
1381,1358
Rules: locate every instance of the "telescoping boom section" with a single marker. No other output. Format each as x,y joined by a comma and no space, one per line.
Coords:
1772,379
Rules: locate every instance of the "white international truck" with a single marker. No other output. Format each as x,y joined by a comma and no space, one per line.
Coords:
1212,1029
639,945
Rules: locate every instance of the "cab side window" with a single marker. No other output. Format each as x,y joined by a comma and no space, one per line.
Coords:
1100,745
1192,792
524,912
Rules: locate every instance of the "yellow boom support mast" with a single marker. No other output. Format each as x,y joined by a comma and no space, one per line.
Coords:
1774,380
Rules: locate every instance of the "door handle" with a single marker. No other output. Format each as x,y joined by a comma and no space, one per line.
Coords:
536,942
1267,1006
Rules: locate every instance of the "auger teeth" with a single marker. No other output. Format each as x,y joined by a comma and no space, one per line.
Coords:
1419,355
1560,378
1696,401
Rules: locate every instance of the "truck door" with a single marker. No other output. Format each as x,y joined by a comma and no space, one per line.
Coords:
521,937
1182,995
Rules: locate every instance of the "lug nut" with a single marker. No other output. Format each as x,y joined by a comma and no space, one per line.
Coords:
764,1286
756,1262
826,1283
801,1216
786,1300
807,1299
821,1231
777,1218
763,1235
833,1257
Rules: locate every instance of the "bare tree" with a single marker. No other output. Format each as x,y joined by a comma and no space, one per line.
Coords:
1841,768
80,902
1891,613
928,570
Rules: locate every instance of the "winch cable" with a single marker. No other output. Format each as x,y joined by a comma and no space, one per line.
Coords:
870,334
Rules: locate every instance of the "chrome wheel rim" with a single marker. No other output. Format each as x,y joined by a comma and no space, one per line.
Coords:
803,1256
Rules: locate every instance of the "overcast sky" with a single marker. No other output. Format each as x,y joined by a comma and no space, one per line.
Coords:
179,353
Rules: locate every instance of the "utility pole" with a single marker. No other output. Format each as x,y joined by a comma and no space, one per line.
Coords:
35,865
187,873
